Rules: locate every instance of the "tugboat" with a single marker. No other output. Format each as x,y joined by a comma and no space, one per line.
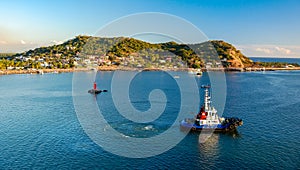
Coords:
208,120
95,90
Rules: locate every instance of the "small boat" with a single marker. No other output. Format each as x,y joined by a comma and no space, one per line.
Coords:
95,90
208,120
199,72
41,72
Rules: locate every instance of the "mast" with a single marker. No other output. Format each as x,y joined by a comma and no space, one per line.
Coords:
207,101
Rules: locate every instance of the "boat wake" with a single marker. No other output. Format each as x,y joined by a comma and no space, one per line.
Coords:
149,127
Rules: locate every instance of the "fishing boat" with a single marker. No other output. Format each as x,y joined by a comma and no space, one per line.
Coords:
95,90
208,120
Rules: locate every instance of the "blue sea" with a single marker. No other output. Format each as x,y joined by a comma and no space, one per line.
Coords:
268,59
40,128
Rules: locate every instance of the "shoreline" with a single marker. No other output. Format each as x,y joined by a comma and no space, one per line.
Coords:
38,71
231,69
252,69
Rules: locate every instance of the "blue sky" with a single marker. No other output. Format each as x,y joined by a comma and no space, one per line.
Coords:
257,27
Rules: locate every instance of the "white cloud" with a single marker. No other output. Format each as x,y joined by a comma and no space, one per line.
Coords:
22,42
283,50
264,50
269,50
56,42
3,42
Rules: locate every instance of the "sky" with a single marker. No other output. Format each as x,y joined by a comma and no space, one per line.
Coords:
262,28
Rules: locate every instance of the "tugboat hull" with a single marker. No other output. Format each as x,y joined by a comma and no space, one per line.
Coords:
229,126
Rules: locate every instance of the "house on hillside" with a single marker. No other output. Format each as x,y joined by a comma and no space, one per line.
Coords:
162,61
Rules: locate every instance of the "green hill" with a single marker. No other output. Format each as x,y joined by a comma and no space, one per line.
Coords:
86,50
233,56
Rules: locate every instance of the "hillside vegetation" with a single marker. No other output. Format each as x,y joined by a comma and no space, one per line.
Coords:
85,50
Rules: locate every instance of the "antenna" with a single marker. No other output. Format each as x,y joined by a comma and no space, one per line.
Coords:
211,95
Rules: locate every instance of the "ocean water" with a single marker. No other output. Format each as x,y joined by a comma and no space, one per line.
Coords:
40,130
268,59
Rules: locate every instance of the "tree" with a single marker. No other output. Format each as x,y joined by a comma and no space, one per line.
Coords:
59,65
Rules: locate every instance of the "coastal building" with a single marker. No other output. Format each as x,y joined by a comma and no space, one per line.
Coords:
162,61
289,66
219,64
208,65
